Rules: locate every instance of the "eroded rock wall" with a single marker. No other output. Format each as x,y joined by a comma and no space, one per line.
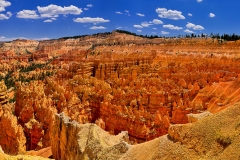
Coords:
71,140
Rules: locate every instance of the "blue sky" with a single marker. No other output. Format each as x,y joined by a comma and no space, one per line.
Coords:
43,19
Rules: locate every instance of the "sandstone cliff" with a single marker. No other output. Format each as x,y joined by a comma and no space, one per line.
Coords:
71,140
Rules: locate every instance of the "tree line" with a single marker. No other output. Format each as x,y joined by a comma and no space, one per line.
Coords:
226,37
85,35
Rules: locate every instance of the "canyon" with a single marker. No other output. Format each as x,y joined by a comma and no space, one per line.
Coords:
115,94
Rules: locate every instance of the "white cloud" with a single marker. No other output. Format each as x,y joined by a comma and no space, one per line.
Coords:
118,12
211,15
137,26
5,16
188,31
189,14
157,21
146,24
54,10
118,27
172,27
28,14
163,32
194,26
190,25
53,19
90,20
199,0
41,39
154,33
86,9
48,20
2,38
89,5
155,28
97,27
170,14
9,14
4,4
127,13
139,30
139,14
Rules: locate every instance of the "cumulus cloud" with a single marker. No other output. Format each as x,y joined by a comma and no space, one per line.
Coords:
188,31
118,12
4,4
139,30
172,27
189,14
163,32
86,9
199,0
146,24
54,10
157,21
139,14
28,14
5,16
211,15
126,11
137,26
97,27
170,14
194,26
91,20
89,5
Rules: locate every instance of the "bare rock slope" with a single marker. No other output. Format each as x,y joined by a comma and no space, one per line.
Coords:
214,137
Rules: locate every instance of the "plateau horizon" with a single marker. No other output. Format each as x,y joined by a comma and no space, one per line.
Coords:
169,18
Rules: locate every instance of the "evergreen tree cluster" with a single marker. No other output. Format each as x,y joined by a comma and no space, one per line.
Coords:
134,34
32,67
81,36
232,37
8,80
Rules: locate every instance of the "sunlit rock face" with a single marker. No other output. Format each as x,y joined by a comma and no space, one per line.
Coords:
12,138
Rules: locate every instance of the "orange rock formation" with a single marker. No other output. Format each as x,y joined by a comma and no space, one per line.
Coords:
117,81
